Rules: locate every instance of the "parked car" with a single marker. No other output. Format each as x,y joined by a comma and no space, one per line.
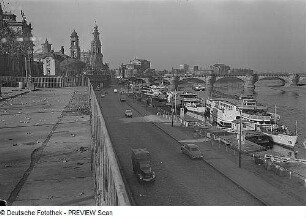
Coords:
141,161
115,90
102,95
192,151
128,113
122,97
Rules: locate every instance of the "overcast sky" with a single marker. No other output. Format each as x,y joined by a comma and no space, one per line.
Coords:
261,35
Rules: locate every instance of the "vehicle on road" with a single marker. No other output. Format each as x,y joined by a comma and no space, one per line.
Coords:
115,90
141,161
128,113
102,95
122,97
192,151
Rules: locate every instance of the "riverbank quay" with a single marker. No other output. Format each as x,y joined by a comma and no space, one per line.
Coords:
263,184
45,148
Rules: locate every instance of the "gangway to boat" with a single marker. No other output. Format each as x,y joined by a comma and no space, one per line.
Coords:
284,159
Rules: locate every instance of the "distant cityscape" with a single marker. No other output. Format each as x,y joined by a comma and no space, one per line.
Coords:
45,61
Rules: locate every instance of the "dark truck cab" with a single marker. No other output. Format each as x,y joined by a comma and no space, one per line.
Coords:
141,161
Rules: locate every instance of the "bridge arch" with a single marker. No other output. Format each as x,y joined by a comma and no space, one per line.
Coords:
191,79
283,81
230,79
289,79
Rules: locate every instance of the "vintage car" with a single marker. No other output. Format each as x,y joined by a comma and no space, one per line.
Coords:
122,97
128,113
141,161
192,151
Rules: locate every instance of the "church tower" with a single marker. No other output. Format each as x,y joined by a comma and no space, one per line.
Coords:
46,47
75,51
96,59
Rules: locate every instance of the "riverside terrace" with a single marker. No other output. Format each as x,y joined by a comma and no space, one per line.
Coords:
45,147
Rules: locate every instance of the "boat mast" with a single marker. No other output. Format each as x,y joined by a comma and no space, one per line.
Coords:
275,114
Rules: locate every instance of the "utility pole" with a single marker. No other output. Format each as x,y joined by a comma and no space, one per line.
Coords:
172,113
240,132
175,102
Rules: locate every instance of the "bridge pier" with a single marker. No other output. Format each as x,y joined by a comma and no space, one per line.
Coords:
293,79
174,83
249,84
209,84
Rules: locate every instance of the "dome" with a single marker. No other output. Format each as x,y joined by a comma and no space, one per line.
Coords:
74,34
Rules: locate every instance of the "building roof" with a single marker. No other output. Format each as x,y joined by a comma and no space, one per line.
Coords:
55,55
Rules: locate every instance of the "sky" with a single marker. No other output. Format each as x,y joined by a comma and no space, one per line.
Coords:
264,35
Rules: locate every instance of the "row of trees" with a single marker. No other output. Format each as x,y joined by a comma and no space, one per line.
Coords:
13,43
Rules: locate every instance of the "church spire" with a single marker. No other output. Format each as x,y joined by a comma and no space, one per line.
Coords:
46,47
96,60
75,51
96,43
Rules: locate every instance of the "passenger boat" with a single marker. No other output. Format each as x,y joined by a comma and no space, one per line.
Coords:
280,134
256,117
224,111
191,102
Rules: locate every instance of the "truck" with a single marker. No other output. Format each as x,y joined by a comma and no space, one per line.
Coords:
128,113
141,161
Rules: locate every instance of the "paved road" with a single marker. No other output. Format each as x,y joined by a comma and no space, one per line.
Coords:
180,181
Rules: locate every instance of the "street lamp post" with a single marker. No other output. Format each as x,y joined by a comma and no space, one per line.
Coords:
172,114
240,132
175,103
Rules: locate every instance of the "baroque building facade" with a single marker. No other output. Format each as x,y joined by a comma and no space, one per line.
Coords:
17,62
51,60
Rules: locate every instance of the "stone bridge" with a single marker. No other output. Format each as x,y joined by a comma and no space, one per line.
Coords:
249,80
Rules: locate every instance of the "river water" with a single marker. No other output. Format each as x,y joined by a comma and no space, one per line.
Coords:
290,105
